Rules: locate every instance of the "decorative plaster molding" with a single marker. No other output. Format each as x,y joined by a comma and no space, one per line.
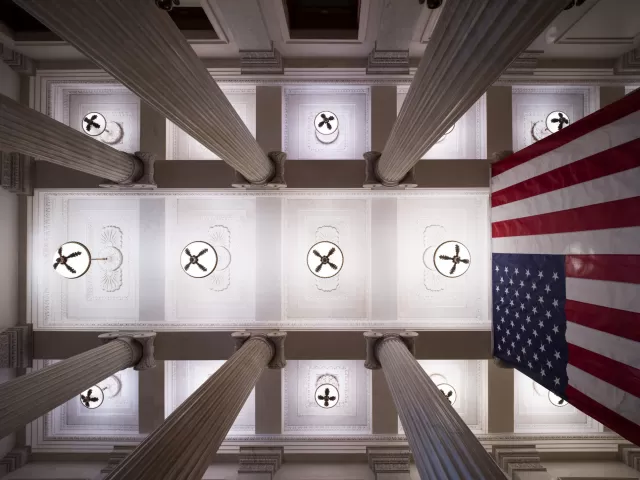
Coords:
259,459
17,173
17,61
383,461
526,62
520,458
16,347
388,62
14,459
118,454
629,63
261,61
630,455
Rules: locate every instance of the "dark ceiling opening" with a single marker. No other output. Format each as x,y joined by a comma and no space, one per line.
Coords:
323,19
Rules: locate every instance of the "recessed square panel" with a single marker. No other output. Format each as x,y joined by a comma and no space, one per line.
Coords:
532,105
468,137
182,378
228,294
349,413
350,132
424,295
344,222
182,146
535,413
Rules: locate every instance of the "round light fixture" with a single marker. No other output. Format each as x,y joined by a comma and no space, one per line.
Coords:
327,396
92,398
557,401
449,392
112,134
557,121
325,259
72,260
94,123
451,259
327,126
199,259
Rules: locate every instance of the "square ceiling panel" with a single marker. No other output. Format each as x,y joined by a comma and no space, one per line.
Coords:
467,139
182,378
348,413
69,103
426,296
536,411
182,146
322,19
532,105
345,223
116,419
351,129
465,384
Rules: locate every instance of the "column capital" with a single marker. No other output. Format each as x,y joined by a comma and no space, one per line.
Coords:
375,339
141,177
275,341
276,182
372,178
143,340
16,347
389,460
17,173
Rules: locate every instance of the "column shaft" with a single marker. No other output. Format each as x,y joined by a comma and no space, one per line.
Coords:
28,397
473,43
185,444
443,446
139,45
32,133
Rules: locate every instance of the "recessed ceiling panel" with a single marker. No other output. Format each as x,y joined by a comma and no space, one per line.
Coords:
320,19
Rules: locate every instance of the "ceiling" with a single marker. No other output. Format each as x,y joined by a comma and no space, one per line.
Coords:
347,29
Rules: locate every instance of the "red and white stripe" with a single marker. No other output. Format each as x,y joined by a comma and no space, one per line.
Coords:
577,193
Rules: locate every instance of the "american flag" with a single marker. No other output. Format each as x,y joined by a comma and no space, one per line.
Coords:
565,215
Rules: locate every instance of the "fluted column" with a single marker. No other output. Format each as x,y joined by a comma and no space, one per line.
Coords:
473,42
139,45
24,130
28,397
443,446
184,445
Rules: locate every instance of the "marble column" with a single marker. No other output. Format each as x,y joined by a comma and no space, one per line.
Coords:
26,131
185,444
140,46
473,42
443,446
30,396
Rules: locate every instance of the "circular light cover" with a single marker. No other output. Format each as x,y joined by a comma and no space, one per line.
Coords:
326,123
556,400
94,123
92,398
449,392
71,260
449,130
112,134
327,396
451,259
198,259
557,121
325,259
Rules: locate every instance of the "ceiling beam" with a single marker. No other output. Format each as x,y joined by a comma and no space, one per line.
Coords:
300,345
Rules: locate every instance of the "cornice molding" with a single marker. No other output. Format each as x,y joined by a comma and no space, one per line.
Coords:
14,460
16,347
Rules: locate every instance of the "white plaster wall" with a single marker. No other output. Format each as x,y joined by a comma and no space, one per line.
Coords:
53,471
609,470
9,86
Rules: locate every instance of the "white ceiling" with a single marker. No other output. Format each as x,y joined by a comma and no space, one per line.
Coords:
268,284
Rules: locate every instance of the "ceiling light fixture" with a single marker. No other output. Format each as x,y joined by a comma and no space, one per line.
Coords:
327,394
557,121
557,401
167,5
198,259
450,259
449,392
325,259
327,127
72,259
449,130
92,398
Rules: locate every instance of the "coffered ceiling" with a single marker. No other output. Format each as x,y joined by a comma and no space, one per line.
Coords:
299,29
